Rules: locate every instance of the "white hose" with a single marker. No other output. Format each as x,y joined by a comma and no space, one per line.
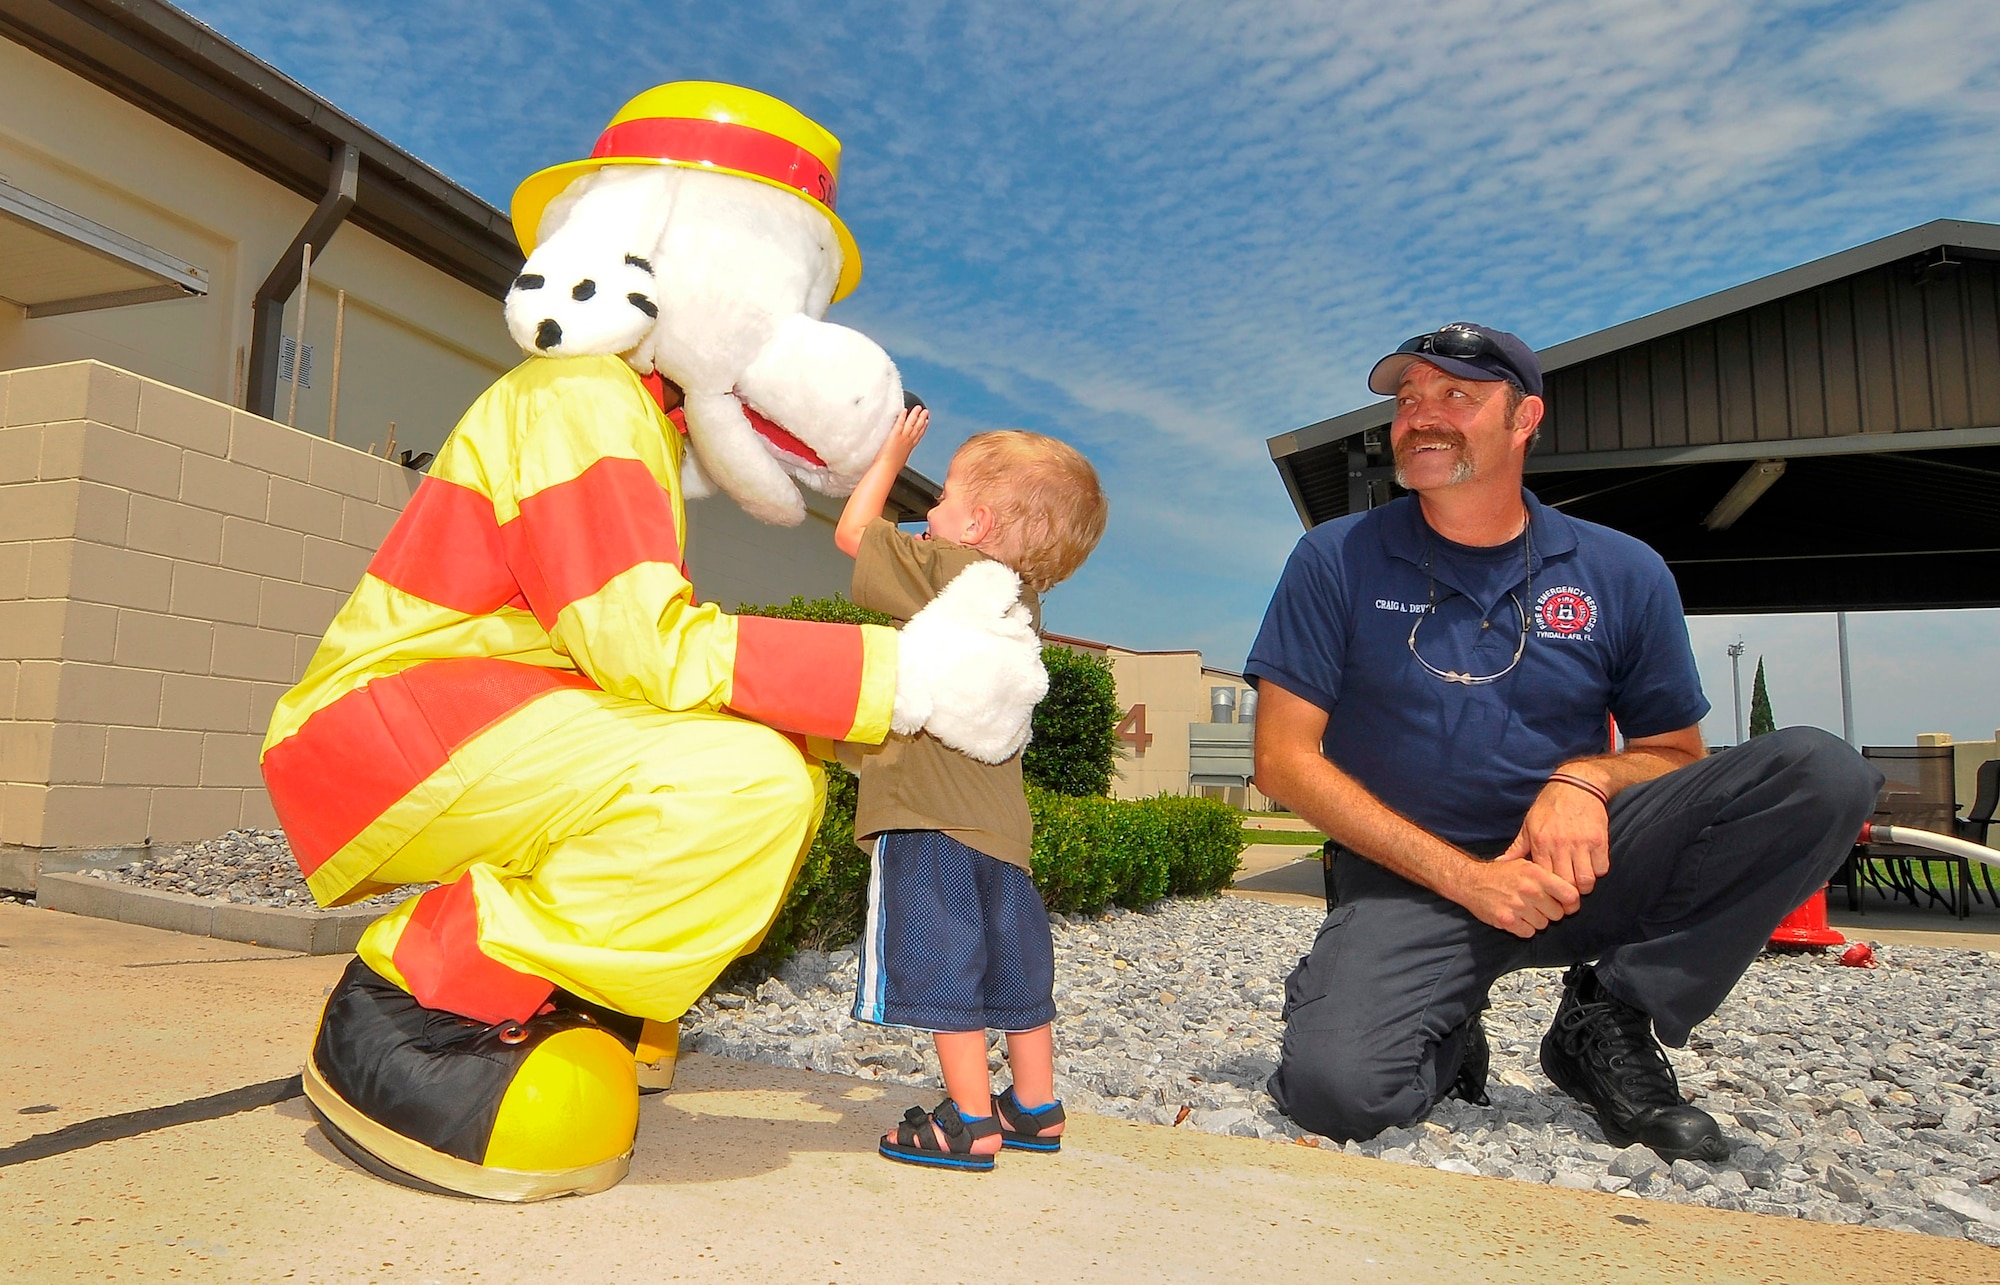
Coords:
1935,842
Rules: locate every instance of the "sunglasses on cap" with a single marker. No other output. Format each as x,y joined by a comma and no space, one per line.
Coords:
1460,341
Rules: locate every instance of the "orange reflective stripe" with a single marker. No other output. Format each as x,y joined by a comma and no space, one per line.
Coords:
572,538
797,675
351,760
446,549
439,957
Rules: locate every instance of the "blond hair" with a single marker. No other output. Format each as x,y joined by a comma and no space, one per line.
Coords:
1046,501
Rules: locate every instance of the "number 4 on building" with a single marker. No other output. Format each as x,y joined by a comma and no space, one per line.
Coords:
1133,731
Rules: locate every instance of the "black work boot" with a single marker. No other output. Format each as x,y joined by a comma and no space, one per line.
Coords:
1601,1051
1473,1064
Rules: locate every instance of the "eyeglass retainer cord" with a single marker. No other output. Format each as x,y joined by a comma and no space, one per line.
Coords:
1520,648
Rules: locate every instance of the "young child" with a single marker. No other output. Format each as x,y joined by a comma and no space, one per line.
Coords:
957,938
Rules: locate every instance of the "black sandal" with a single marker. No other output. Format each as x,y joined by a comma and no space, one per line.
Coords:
913,1140
1021,1128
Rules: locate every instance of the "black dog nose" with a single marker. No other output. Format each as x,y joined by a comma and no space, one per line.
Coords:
548,334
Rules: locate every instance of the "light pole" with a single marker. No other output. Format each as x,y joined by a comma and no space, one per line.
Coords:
1736,681
1846,684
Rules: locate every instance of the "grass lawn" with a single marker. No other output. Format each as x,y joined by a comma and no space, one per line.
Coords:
1302,838
1940,873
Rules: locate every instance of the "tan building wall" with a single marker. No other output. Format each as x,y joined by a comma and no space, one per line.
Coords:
418,345
1159,694
167,566
1164,689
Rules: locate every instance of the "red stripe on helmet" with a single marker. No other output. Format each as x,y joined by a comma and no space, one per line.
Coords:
724,145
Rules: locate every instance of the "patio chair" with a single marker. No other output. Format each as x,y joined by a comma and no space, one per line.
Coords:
1976,823
1919,793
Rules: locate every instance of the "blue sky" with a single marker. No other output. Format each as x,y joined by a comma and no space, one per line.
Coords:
1167,231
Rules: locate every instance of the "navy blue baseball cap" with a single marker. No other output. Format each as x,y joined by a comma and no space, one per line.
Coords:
1464,350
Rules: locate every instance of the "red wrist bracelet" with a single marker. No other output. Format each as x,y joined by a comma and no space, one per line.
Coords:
1587,787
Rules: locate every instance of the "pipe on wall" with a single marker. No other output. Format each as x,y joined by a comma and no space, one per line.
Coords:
267,308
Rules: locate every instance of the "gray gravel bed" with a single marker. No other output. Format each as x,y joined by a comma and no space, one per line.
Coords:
1850,1095
246,867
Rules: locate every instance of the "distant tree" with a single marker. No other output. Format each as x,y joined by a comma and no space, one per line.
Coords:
1761,720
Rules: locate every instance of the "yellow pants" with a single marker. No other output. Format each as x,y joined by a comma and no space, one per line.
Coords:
626,856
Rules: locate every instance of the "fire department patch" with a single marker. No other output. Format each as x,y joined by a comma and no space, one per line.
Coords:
1566,611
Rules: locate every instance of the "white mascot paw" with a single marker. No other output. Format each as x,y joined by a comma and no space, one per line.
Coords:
969,667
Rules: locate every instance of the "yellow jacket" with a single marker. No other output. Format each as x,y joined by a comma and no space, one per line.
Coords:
544,550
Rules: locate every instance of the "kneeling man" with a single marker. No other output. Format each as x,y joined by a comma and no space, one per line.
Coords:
1436,675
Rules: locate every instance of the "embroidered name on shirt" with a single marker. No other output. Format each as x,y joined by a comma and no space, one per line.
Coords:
1409,608
1565,611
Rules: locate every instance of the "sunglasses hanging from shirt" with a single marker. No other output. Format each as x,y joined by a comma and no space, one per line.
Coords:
1520,609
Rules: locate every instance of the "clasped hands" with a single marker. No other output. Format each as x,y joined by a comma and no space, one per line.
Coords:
1562,850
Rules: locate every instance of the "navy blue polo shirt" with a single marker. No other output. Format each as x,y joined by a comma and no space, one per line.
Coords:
1605,634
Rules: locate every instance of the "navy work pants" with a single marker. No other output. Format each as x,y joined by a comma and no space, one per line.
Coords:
1704,863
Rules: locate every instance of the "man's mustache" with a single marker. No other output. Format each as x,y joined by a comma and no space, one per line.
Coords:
1420,438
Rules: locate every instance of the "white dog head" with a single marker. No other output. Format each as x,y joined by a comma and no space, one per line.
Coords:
719,283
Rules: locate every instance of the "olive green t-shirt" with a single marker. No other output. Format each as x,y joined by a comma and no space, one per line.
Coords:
914,782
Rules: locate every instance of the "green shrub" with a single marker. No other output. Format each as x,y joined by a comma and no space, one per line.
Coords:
1142,844
1075,746
1072,860
835,610
1093,853
1205,843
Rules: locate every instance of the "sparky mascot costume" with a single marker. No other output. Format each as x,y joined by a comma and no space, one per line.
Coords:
523,703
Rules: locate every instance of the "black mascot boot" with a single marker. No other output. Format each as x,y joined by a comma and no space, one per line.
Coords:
512,1111
1601,1051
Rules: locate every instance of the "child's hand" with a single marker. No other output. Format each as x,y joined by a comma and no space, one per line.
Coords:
904,435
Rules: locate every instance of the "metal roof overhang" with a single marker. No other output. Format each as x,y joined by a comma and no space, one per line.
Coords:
55,261
165,62
1873,374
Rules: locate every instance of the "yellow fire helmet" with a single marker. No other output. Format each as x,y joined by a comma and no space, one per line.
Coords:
699,124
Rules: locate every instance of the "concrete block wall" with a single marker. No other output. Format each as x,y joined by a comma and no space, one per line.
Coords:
167,566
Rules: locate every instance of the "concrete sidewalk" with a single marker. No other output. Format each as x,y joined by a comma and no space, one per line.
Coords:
743,1172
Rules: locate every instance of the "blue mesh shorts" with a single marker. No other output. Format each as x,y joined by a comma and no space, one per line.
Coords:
956,940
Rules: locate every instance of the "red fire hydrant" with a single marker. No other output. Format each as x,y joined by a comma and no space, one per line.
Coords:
1806,927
